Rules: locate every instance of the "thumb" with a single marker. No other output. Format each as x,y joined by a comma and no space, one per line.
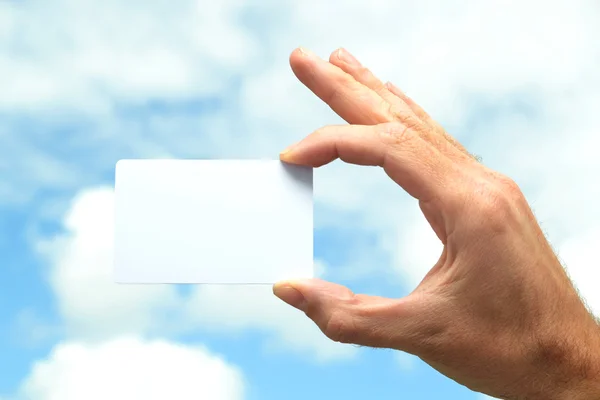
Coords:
354,318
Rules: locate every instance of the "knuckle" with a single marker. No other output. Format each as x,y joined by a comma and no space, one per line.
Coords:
388,110
406,116
509,187
493,202
339,328
395,133
497,208
499,199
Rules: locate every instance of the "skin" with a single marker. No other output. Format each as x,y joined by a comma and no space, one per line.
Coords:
497,312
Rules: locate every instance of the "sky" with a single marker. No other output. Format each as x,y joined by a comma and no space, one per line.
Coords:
85,83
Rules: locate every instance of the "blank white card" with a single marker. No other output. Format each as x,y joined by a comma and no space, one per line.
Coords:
212,221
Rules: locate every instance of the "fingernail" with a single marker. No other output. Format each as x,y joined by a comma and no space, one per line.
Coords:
290,295
346,57
304,51
287,150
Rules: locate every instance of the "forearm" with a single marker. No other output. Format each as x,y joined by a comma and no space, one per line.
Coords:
584,382
570,363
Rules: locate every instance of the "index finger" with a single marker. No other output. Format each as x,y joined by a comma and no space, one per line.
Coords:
412,162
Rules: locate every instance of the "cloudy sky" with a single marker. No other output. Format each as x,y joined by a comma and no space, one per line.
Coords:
85,83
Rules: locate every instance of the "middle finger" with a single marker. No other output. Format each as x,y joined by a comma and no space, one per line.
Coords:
351,100
403,108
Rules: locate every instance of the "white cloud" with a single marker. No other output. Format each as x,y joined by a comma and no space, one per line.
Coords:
462,60
417,249
456,59
95,308
86,54
516,81
405,361
130,369
579,255
81,275
255,308
31,330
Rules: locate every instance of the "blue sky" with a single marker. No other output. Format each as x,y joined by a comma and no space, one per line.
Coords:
87,83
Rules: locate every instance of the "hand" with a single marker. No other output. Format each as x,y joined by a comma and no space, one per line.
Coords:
497,312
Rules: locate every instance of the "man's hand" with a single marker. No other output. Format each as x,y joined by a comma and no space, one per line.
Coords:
497,312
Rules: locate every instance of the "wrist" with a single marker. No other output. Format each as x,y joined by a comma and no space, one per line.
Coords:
571,363
584,382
